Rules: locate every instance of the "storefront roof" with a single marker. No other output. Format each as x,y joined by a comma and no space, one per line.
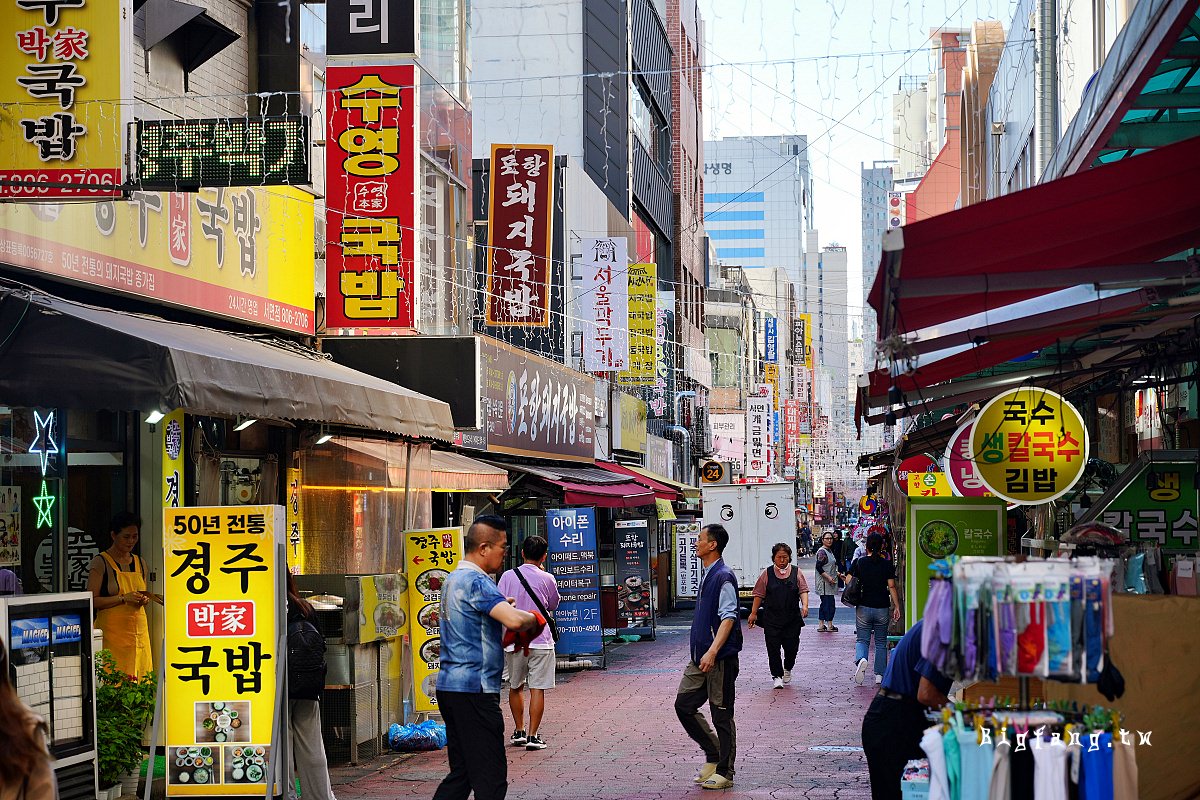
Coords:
68,354
453,472
689,492
661,490
589,486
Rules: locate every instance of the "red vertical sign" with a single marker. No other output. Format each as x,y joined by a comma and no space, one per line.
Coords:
370,196
520,208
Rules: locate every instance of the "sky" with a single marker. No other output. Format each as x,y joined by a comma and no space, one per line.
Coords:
826,69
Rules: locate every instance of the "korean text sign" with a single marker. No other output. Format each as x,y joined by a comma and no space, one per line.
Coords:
573,562
772,341
1030,445
643,302
371,27
61,85
942,526
959,464
758,433
520,220
429,558
1159,506
631,555
605,304
687,563
370,195
224,616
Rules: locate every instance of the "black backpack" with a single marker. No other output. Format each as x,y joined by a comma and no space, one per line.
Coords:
306,661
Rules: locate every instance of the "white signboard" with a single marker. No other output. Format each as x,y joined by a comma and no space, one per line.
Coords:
687,563
729,436
758,433
605,304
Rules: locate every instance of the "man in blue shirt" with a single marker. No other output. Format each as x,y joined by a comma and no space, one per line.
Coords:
716,640
892,727
474,615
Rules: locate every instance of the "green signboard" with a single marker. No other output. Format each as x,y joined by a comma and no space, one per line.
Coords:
944,526
1157,505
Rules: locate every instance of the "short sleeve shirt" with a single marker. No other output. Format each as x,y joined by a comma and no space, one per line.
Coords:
907,667
472,658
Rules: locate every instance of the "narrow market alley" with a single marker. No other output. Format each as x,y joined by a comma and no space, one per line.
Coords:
613,733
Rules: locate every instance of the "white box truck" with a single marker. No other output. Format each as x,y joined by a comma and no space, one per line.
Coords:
757,515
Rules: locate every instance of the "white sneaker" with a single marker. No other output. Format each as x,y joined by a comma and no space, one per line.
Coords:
878,679
860,671
787,676
777,682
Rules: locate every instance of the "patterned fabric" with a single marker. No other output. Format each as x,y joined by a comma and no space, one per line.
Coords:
471,659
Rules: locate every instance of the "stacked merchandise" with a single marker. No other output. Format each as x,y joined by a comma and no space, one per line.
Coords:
1143,567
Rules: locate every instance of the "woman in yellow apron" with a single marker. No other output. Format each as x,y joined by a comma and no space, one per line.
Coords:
117,580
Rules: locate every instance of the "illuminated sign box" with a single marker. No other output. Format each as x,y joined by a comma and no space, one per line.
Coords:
236,151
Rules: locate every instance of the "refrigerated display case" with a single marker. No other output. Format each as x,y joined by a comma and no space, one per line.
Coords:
49,642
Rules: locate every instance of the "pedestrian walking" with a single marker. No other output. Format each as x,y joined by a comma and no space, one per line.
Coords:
878,578
827,582
534,590
711,674
781,600
474,615
25,769
306,682
805,541
893,725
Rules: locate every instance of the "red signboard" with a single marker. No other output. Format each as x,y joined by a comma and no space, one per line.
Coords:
220,618
520,208
791,430
370,196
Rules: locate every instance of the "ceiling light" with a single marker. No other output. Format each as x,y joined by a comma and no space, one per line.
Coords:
154,416
325,435
244,422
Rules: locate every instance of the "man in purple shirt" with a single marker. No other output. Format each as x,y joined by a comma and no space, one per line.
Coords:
534,667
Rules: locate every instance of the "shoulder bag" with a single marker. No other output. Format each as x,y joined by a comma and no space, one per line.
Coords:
537,601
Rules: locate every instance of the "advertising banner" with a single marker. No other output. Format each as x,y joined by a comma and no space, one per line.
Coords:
632,560
791,430
686,562
429,558
771,377
371,28
643,301
605,304
1159,506
802,342
758,414
223,617
959,465
520,221
535,406
661,394
729,436
370,196
574,563
919,464
771,355
631,424
243,254
382,606
1031,445
942,526
61,84
172,457
928,484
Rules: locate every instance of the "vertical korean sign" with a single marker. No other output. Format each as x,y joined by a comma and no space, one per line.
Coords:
771,355
686,562
60,87
758,422
574,564
632,557
643,301
370,180
520,218
605,304
791,431
172,458
429,557
223,618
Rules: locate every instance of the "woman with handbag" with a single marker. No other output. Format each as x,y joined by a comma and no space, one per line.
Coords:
876,577
827,582
781,596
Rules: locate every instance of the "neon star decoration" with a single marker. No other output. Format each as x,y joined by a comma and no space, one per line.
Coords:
45,507
43,441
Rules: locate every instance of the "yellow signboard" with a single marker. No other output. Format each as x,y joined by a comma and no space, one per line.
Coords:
383,606
771,376
295,522
643,298
246,254
172,458
632,423
927,484
1030,445
429,557
223,619
61,90
802,340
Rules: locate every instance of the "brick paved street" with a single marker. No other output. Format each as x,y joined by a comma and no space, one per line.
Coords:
614,734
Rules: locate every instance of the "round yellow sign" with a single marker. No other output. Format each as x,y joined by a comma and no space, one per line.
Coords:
1030,445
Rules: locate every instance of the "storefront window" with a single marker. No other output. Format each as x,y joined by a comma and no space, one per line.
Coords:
445,302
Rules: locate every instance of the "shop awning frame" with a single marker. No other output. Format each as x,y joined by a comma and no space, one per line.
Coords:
55,352
660,489
688,492
454,472
586,486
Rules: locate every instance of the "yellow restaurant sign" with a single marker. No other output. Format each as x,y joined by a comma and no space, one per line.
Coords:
927,484
172,457
223,617
643,306
245,254
1030,445
429,558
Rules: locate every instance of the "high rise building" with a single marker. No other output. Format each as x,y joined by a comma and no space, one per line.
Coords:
876,187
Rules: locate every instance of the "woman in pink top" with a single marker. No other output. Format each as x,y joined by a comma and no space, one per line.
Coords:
781,599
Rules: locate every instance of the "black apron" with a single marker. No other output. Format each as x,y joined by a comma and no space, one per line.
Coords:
781,606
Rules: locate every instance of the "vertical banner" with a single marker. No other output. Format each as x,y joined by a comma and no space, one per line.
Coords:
605,304
802,341
61,88
295,522
686,562
429,557
376,28
632,557
758,422
370,197
791,431
643,300
172,458
771,356
771,377
575,565
520,221
224,615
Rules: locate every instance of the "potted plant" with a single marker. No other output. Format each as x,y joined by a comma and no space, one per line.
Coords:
124,706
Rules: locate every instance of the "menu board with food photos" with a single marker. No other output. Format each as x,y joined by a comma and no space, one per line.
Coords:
429,557
382,606
632,556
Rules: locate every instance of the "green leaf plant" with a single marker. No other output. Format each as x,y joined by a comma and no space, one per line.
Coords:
124,706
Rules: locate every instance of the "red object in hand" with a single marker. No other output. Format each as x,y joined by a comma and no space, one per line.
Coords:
521,639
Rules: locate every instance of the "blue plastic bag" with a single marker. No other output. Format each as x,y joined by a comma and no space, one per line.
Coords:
428,735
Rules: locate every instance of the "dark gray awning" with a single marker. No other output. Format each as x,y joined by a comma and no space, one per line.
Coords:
54,352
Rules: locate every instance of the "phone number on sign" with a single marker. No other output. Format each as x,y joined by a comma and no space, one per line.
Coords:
49,183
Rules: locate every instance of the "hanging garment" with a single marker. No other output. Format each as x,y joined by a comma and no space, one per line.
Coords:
953,762
1094,624
1152,567
1021,772
1031,640
1049,770
976,760
931,743
1096,768
1184,576
937,633
999,787
1125,772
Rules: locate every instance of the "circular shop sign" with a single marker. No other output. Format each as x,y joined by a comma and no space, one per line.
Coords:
918,464
959,465
1030,445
